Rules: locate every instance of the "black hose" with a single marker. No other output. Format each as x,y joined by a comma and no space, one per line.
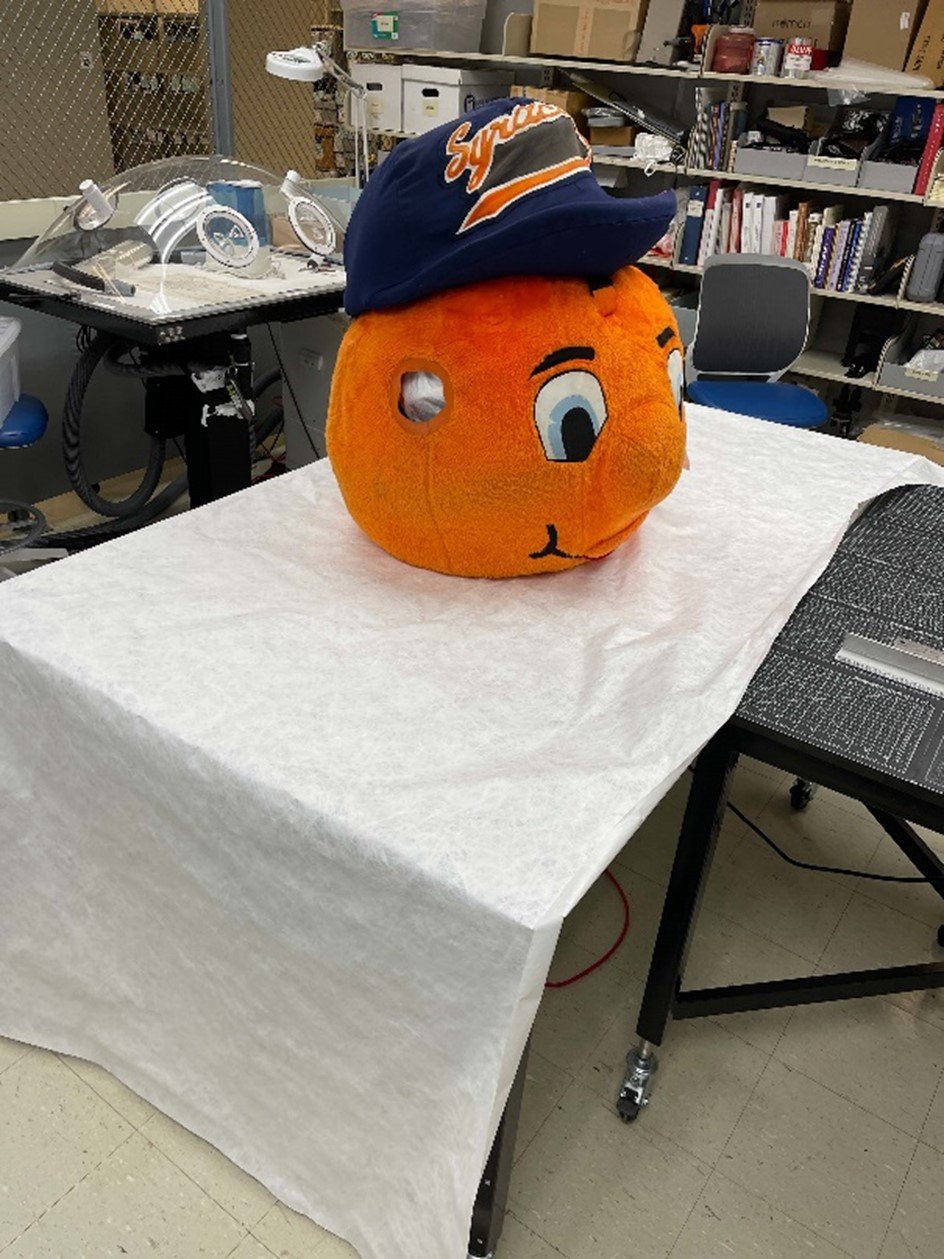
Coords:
128,507
262,383
90,535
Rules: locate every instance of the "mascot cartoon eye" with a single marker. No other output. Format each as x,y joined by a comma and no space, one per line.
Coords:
675,366
570,411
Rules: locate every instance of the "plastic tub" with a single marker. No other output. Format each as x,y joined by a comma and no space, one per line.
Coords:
9,366
454,27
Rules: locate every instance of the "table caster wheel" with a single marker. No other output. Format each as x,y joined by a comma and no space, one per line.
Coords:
637,1084
627,1109
801,793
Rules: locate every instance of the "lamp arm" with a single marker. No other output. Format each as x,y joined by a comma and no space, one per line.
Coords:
336,72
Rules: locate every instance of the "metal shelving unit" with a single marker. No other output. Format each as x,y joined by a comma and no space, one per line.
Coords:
815,82
815,363
834,190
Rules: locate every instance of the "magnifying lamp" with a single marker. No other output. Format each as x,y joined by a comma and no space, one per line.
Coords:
308,65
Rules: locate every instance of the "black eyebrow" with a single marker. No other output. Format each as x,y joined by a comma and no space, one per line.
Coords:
665,336
564,355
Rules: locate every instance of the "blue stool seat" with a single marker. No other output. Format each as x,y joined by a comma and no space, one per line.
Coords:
778,403
25,423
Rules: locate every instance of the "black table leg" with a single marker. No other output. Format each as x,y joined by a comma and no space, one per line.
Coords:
488,1214
696,844
920,854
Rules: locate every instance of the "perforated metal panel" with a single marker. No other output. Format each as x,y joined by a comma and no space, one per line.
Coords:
885,584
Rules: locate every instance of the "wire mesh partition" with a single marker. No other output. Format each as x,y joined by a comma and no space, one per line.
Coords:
91,87
276,122
94,86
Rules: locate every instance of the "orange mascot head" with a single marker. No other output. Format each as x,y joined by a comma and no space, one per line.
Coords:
514,423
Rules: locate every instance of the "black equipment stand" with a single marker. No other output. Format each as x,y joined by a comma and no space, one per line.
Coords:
488,1214
867,735
218,449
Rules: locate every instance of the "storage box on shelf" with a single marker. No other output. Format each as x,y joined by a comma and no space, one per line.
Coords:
414,24
927,50
881,32
608,30
825,22
771,164
887,177
896,375
384,100
571,102
433,95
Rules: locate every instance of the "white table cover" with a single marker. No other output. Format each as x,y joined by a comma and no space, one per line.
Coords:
289,828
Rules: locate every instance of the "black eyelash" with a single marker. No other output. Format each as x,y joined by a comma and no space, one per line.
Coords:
665,336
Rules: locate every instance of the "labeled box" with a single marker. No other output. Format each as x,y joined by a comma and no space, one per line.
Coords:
842,171
433,95
454,27
895,374
823,21
599,30
384,100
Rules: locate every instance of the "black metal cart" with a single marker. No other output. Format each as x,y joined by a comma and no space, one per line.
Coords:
868,728
219,457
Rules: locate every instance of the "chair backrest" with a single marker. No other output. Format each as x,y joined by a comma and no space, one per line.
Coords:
753,316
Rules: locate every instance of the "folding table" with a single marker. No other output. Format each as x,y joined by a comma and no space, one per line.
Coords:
869,725
290,828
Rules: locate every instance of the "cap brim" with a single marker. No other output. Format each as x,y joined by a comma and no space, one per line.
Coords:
590,233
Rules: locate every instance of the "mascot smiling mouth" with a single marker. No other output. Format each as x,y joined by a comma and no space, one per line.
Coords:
605,548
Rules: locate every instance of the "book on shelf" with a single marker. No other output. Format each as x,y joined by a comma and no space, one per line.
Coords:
709,231
877,245
719,124
664,248
837,255
694,220
932,147
838,250
825,256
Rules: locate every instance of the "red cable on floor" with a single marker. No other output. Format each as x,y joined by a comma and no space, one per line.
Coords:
565,983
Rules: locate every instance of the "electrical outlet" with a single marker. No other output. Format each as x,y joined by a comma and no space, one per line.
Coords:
308,358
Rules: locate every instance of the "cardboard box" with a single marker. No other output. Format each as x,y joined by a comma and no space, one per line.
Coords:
433,94
612,137
384,100
604,30
882,31
573,103
927,51
824,21
900,438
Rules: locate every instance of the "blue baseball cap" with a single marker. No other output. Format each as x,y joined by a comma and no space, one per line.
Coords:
505,190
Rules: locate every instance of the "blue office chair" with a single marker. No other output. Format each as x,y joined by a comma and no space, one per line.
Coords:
753,323
23,423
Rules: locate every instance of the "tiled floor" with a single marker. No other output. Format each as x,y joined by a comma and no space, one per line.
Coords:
817,1133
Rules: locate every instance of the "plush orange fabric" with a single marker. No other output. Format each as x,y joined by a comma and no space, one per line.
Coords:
562,424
